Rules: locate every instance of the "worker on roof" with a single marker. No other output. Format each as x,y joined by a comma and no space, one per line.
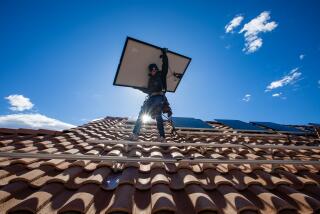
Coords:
156,102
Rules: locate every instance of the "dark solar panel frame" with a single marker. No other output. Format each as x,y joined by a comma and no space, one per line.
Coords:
315,124
241,126
281,128
191,123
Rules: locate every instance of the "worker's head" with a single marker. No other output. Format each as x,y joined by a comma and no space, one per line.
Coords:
153,68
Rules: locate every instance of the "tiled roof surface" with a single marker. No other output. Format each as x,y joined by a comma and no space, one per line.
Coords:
83,186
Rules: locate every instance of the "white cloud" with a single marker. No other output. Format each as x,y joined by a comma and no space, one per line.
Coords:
253,46
277,94
32,121
301,57
291,78
235,22
246,98
19,102
252,30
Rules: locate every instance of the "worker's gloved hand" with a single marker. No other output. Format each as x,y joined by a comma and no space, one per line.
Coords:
164,50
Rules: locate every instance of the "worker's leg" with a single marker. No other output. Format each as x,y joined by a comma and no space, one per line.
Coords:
160,125
156,106
137,126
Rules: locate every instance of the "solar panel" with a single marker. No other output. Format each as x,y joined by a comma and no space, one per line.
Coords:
137,55
280,127
315,124
241,126
190,123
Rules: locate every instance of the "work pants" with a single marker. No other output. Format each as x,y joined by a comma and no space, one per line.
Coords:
153,107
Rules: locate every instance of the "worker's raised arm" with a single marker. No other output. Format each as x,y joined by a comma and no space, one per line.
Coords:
165,67
165,61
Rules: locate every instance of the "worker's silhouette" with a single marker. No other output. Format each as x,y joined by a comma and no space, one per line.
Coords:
156,102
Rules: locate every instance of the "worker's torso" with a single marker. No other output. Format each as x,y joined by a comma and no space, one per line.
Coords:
155,83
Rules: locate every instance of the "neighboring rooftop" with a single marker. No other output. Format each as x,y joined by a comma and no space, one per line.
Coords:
27,132
90,169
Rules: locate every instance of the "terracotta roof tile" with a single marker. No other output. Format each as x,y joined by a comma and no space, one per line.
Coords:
33,174
302,201
6,180
67,175
81,200
162,199
142,202
176,182
122,200
34,202
312,190
271,180
242,180
101,202
269,202
187,177
235,202
159,175
57,202
17,198
9,190
41,181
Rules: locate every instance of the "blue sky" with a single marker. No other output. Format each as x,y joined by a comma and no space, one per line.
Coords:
63,56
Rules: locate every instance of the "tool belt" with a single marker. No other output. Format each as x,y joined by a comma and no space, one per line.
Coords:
165,107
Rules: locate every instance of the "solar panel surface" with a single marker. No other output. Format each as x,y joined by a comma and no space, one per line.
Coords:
280,127
315,124
188,122
241,126
137,55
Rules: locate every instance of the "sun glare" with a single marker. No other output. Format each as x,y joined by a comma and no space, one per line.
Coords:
146,118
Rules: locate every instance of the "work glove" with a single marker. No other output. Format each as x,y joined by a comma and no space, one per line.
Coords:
164,51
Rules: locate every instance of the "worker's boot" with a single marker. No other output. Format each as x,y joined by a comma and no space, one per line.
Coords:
133,137
161,139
